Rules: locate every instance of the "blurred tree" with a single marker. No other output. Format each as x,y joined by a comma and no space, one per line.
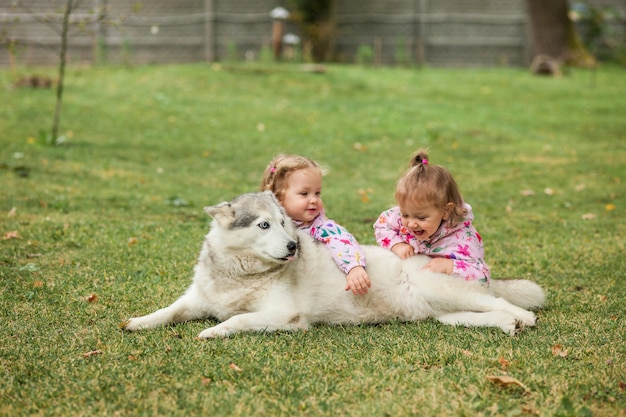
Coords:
69,6
316,19
554,34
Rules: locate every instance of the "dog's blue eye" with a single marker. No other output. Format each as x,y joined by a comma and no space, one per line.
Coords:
264,225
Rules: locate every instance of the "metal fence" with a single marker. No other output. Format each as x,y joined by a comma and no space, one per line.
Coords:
438,33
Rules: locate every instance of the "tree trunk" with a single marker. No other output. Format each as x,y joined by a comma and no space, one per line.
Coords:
554,33
57,111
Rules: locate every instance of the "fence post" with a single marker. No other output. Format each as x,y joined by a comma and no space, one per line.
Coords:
209,31
278,15
422,32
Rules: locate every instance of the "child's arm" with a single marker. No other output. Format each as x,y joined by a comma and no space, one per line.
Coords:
346,252
471,269
442,265
386,230
462,258
358,281
403,250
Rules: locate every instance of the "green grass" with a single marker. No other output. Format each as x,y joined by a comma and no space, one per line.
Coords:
116,212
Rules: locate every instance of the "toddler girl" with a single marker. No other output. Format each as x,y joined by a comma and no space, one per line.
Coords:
431,218
296,182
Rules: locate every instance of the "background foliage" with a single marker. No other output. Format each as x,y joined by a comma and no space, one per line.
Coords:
108,225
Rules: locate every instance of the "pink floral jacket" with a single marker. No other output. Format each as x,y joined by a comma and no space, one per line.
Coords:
344,248
461,243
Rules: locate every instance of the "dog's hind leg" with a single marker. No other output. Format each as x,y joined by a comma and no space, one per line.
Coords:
500,305
451,296
505,321
188,307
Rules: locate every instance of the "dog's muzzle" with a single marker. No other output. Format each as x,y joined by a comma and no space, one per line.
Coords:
292,248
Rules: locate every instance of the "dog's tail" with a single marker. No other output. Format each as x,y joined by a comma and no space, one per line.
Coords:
521,292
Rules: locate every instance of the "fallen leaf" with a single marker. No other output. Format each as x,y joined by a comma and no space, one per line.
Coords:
235,367
504,362
132,241
506,380
548,191
260,127
206,381
364,197
92,353
610,207
557,350
528,409
580,187
38,284
588,216
14,234
527,193
92,298
12,212
359,146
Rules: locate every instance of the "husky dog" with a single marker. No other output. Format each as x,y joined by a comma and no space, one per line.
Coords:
256,272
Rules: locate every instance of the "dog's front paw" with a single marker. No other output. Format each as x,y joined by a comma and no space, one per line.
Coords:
528,318
516,328
132,325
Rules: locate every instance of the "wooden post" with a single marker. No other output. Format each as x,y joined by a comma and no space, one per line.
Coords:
278,15
277,38
422,33
209,31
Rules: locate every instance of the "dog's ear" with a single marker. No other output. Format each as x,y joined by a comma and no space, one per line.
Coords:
224,213
269,193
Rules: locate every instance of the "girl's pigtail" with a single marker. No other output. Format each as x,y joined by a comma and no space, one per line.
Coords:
419,160
269,176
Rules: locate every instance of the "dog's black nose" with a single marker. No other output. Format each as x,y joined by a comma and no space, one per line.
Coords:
291,246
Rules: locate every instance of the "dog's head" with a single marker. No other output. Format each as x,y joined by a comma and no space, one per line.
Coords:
255,224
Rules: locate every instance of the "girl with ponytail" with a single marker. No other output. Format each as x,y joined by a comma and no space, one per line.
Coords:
431,218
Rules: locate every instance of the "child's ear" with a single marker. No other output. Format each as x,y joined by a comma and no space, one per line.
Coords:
447,210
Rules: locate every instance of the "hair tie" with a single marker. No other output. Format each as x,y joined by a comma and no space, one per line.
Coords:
272,169
425,161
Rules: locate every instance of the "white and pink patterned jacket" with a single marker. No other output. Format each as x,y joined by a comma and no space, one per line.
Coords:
461,243
344,248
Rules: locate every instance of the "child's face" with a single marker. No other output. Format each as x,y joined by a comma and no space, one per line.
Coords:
302,200
423,220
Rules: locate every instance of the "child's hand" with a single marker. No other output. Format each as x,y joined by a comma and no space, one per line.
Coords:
403,250
442,265
358,281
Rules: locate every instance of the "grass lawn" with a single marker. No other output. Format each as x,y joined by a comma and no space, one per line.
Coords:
108,226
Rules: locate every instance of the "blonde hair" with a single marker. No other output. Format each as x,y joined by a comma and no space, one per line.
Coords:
276,174
424,183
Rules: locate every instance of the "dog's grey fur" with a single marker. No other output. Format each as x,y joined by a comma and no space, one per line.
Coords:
256,272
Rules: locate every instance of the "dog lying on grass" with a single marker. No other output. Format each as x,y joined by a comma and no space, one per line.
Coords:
256,272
